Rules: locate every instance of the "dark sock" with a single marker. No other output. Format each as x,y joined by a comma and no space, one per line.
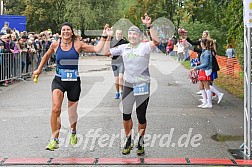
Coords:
74,132
140,141
128,142
56,139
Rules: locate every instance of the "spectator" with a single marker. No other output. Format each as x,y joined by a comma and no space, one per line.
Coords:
169,46
31,54
4,28
38,47
19,48
117,64
215,66
5,45
180,50
230,53
25,52
204,76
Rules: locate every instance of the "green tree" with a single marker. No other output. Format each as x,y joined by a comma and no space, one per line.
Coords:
80,14
233,25
195,32
13,7
44,14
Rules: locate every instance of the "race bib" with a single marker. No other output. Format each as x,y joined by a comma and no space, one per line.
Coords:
141,89
69,74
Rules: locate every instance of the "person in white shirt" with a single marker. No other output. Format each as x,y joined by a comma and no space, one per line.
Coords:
180,51
136,56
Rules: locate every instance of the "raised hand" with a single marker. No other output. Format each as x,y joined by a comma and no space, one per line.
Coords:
109,31
146,20
104,32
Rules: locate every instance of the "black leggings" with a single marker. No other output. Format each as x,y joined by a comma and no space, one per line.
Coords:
128,100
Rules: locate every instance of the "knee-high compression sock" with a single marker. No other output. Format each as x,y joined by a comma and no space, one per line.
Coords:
214,90
203,93
209,96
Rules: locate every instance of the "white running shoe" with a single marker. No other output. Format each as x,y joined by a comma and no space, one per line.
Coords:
200,106
220,97
208,105
198,93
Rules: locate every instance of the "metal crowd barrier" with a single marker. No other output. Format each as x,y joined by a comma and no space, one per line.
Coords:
19,66
14,66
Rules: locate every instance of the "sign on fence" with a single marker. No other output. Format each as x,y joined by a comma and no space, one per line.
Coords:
247,4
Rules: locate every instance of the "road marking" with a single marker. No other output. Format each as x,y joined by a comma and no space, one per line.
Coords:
243,162
25,161
119,161
122,161
165,161
211,161
73,161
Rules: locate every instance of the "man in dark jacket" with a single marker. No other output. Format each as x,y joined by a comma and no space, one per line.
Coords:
4,44
6,59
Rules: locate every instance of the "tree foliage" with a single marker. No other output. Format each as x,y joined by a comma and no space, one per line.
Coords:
234,26
14,7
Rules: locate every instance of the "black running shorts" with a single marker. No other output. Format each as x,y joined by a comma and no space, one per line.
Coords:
73,88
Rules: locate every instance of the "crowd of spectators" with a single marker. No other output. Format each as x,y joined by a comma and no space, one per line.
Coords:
32,47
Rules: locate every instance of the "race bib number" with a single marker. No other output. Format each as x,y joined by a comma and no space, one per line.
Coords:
69,74
141,89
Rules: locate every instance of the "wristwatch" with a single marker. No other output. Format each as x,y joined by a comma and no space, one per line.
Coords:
151,26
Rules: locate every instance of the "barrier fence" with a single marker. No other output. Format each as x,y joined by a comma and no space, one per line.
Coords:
228,66
19,66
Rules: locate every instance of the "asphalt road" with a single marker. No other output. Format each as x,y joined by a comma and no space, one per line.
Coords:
176,127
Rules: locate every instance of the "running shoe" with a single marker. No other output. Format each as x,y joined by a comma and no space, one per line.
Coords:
220,97
73,139
52,145
198,93
207,106
117,96
128,147
203,104
140,149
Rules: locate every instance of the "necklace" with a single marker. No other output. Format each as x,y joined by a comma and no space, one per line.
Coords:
66,43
